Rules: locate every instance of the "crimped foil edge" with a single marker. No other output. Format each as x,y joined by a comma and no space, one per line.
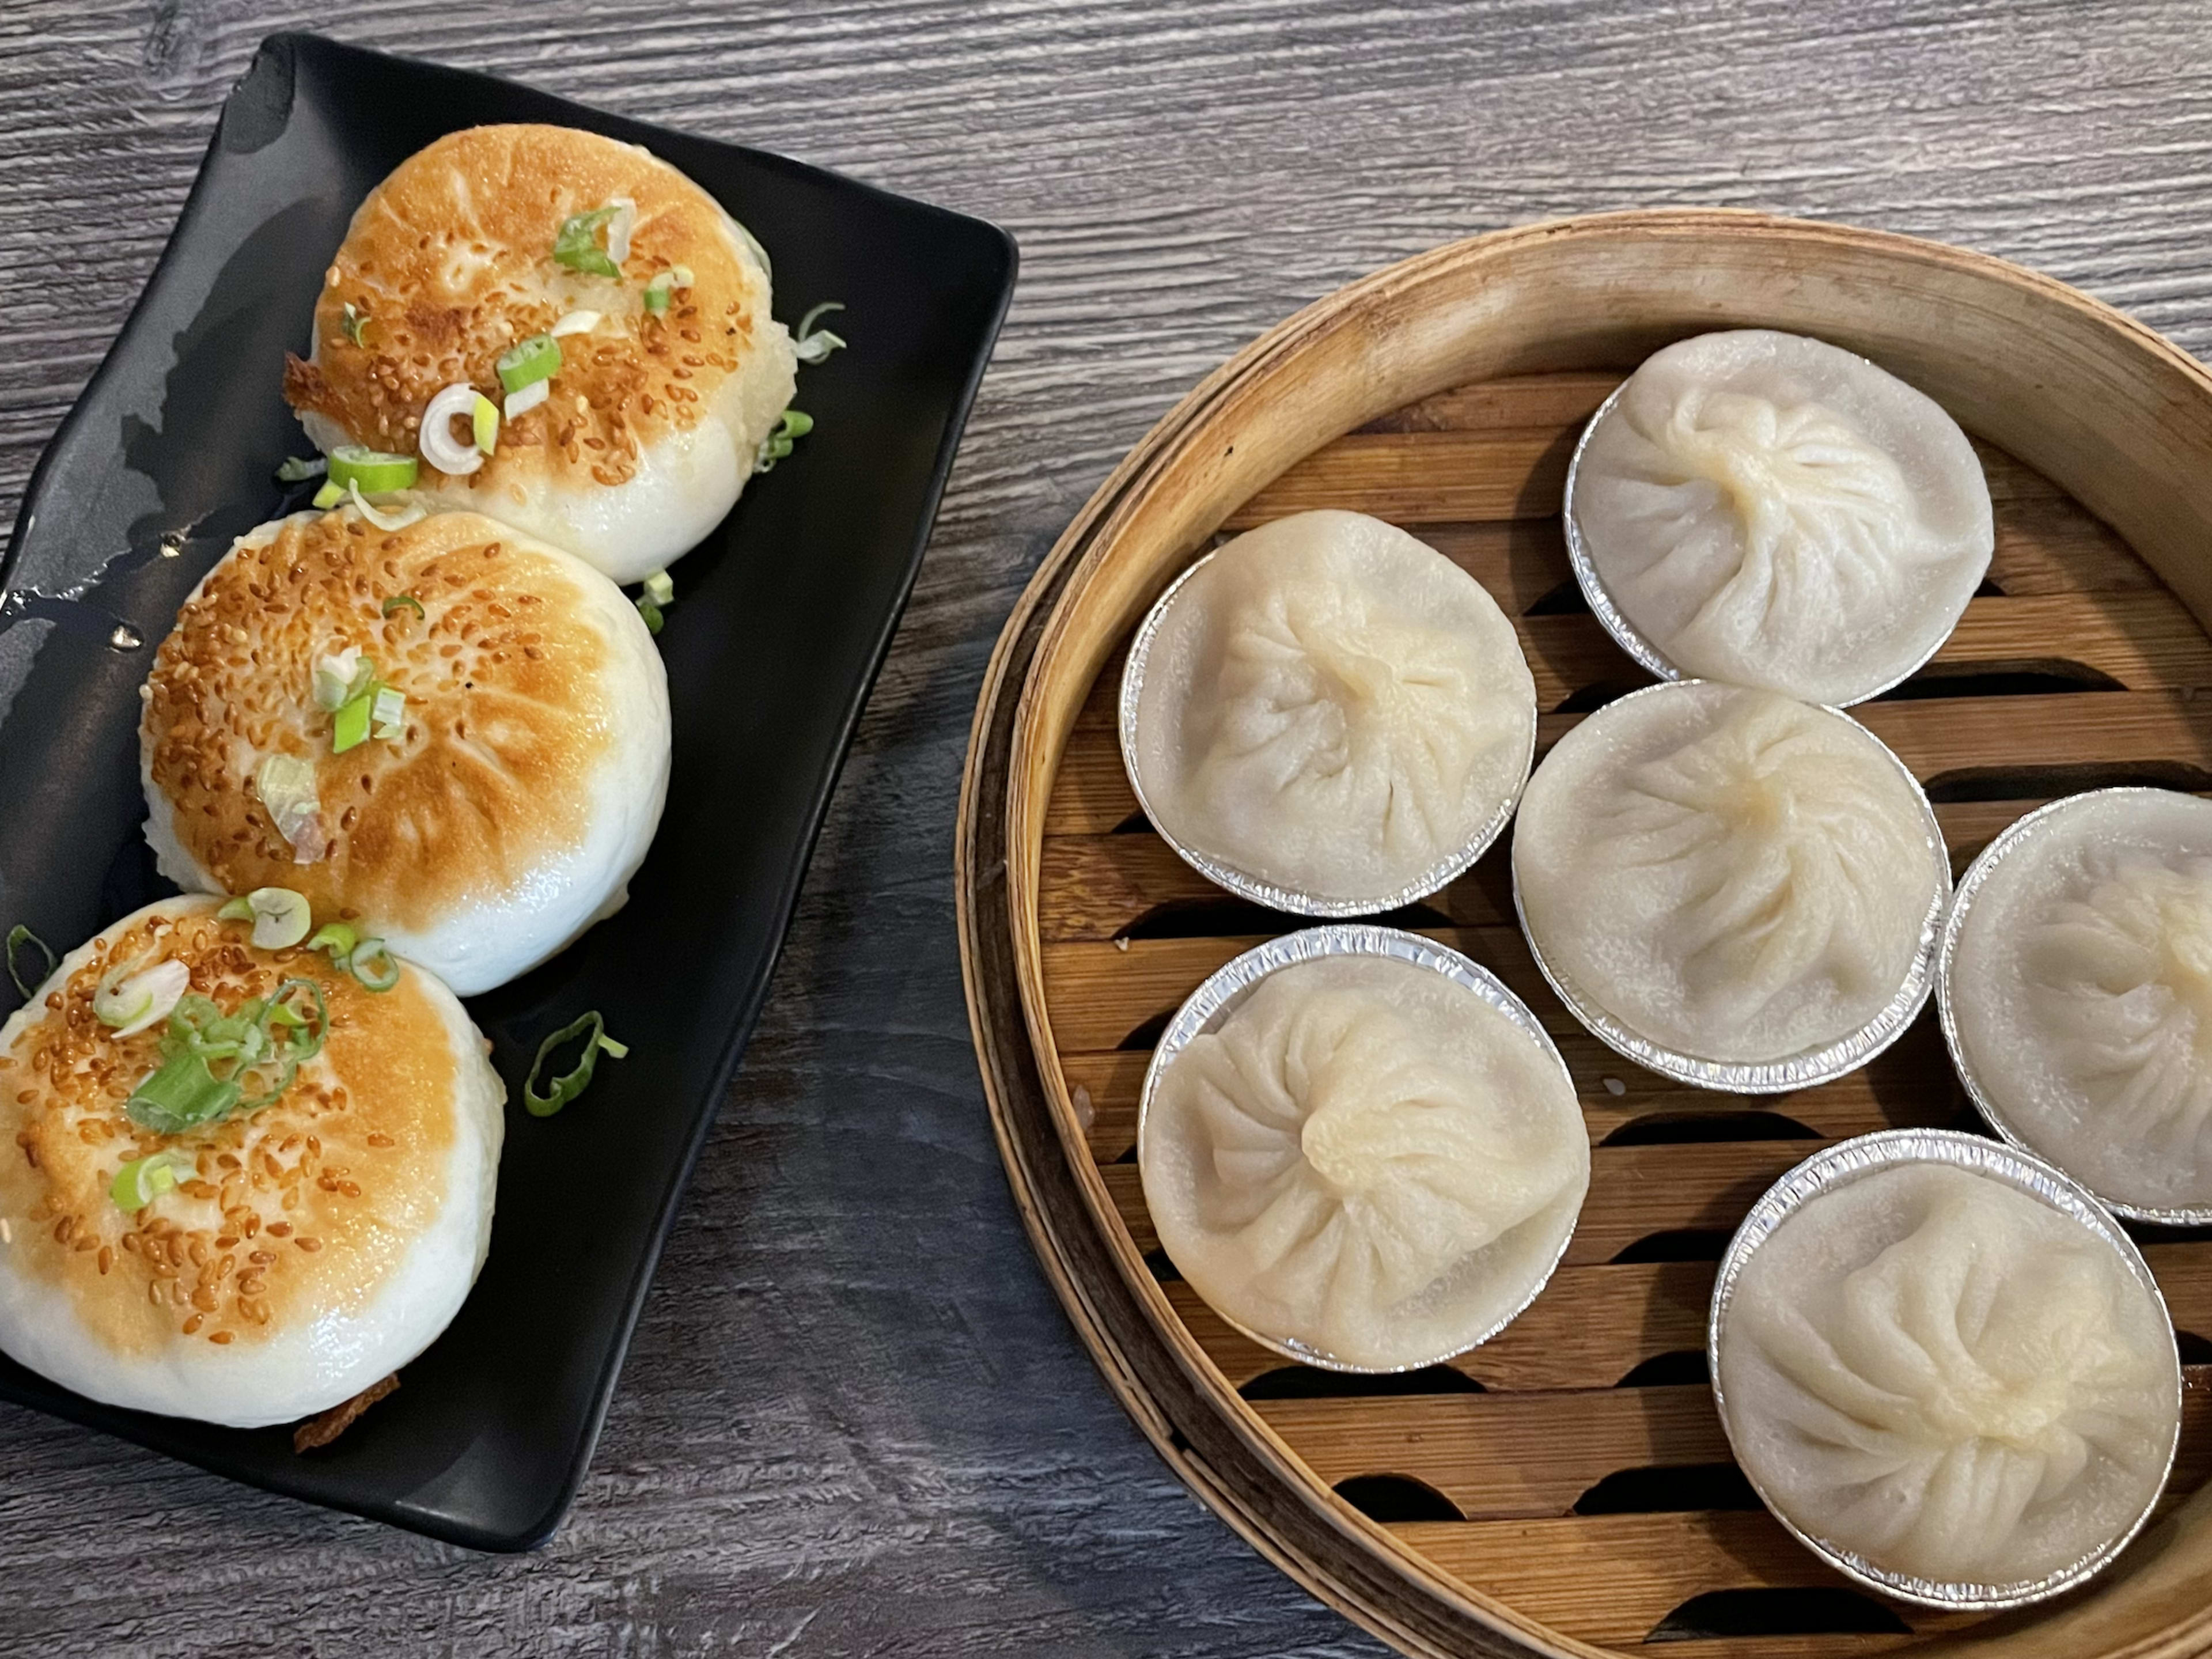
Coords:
2009,840
1229,985
1445,870
1846,1161
1800,1070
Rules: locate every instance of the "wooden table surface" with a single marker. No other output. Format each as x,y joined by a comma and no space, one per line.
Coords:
853,1420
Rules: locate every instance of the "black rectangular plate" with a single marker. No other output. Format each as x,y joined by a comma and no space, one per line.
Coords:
781,619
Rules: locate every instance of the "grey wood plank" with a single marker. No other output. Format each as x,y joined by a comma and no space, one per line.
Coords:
854,1421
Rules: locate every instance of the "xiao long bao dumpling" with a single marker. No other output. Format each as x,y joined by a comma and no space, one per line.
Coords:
1366,1164
2078,991
1731,886
450,734
1770,510
1329,715
603,301
244,1240
1952,1380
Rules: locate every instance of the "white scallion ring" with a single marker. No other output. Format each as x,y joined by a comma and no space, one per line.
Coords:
619,228
522,402
436,440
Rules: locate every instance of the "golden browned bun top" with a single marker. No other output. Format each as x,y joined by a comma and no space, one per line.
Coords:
306,1204
507,713
449,262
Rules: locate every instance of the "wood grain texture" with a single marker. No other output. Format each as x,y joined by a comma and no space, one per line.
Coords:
853,1421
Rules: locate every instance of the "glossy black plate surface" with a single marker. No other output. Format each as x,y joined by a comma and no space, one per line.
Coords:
783,617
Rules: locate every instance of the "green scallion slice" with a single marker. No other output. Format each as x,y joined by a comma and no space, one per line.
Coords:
281,917
129,999
330,496
356,325
339,678
296,469
794,425
349,725
577,244
485,424
660,588
377,471
655,621
813,345
565,1088
338,938
183,1094
656,294
372,962
237,909
387,711
143,1179
18,937
528,362
407,601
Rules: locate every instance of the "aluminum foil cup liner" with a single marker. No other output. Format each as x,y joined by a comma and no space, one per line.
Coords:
1205,1009
1624,633
1442,873
2018,835
1845,1162
1800,1070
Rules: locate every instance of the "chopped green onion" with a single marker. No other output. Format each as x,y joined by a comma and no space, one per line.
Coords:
388,712
329,496
814,345
655,621
349,725
574,322
356,325
794,425
486,423
577,244
18,937
518,404
435,437
295,470
660,587
341,678
281,917
663,287
338,938
378,472
407,599
187,1091
237,909
399,521
372,962
567,1086
143,1179
120,1002
620,226
287,786
183,1094
528,362
130,1002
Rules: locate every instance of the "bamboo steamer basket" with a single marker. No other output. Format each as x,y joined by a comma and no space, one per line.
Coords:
1565,1489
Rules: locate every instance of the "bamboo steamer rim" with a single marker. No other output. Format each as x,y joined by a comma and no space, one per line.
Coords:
1441,319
